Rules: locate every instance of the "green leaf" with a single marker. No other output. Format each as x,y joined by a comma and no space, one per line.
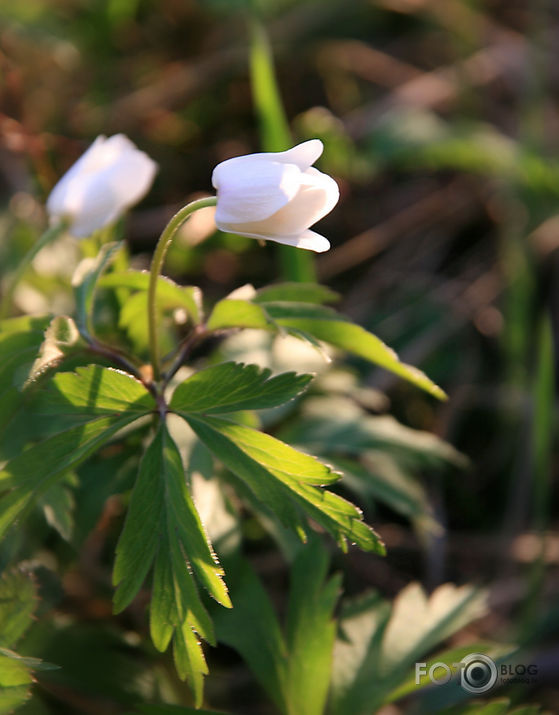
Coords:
311,630
20,342
58,507
285,480
169,294
294,669
93,391
252,628
31,473
15,682
234,386
84,282
163,526
233,313
451,658
378,646
18,600
338,425
297,292
316,322
358,341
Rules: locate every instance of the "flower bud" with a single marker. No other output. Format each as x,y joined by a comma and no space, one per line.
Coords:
275,196
110,177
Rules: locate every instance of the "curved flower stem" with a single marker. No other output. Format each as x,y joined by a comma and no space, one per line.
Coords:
50,235
156,264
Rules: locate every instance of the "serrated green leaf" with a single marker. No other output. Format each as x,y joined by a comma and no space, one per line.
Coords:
190,661
15,682
231,386
84,282
232,313
31,663
286,311
297,292
142,531
379,647
184,522
175,585
358,341
20,342
93,391
31,473
162,525
317,322
169,293
18,600
283,479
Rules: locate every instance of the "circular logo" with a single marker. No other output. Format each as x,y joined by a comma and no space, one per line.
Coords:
478,674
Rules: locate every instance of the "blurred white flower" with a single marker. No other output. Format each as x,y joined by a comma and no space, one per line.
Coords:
111,176
275,196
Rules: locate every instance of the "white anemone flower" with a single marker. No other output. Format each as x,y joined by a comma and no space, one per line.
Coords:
112,175
275,196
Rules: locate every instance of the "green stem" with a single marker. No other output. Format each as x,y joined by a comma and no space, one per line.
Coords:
156,264
50,235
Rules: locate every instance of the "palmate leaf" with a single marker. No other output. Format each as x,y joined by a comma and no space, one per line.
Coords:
231,386
101,401
15,682
93,391
163,530
379,644
315,322
18,600
284,480
27,476
20,342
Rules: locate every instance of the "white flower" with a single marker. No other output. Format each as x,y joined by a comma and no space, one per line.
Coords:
111,176
275,196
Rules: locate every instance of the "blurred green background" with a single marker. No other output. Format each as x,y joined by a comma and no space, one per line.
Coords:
440,120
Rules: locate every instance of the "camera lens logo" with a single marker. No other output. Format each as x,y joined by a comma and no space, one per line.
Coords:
478,673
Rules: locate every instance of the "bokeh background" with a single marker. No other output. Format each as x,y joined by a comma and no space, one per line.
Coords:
440,120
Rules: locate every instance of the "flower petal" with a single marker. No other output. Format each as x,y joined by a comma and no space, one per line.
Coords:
99,198
303,155
309,240
317,196
251,189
